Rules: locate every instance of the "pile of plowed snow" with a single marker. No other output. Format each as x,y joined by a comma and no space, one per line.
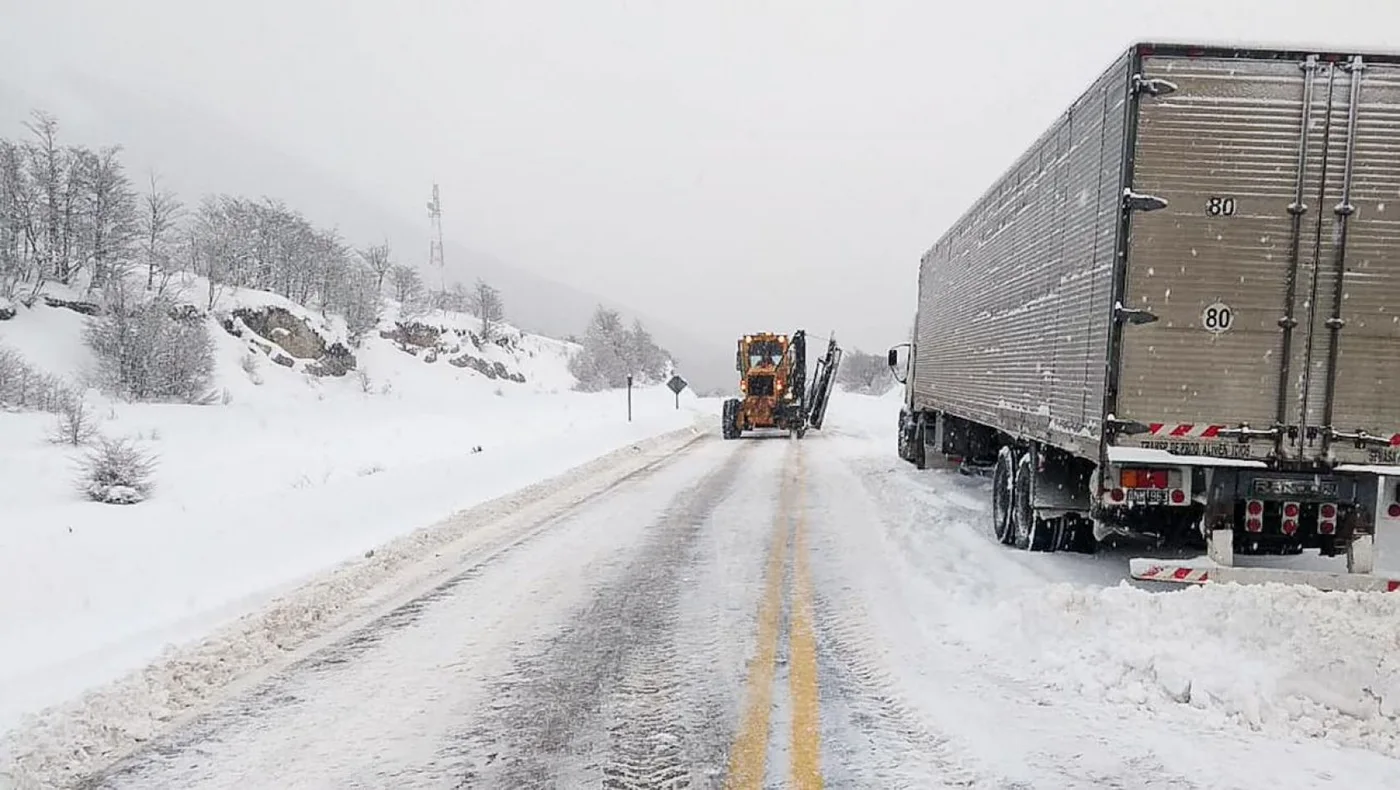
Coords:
1289,661
1282,659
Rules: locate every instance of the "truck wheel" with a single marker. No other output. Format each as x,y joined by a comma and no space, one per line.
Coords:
1003,496
729,421
1029,530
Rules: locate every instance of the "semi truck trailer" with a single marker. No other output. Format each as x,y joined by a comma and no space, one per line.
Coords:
1176,317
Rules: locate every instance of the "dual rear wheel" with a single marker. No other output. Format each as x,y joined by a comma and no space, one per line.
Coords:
1015,521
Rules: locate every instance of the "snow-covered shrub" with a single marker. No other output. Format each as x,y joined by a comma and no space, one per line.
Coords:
147,354
75,425
117,472
24,388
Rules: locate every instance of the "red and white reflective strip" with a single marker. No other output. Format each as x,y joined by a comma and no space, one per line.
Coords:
1186,430
1176,573
1392,585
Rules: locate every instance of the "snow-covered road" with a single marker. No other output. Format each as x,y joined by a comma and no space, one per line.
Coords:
764,612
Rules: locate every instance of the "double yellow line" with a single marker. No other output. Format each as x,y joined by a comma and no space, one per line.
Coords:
748,758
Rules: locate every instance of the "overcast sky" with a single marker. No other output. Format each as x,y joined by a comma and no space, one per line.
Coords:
737,165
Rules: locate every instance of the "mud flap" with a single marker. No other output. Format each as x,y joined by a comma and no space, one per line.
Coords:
1203,571
823,382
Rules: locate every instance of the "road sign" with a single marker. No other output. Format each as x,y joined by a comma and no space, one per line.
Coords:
676,384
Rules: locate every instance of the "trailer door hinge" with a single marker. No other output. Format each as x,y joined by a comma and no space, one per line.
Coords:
1360,438
1245,433
1127,427
1128,315
1133,201
1152,86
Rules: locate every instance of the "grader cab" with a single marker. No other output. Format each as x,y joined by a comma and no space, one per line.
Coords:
775,393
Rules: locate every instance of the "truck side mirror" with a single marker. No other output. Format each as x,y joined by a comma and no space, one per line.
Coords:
896,369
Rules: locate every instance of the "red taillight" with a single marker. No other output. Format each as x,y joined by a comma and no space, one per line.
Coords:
1254,525
1255,507
1290,510
1394,510
1289,526
1178,496
1117,495
1329,511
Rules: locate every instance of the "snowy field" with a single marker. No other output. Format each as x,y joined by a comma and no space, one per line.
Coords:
287,476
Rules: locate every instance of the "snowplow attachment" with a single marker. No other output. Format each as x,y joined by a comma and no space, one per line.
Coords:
823,382
1205,571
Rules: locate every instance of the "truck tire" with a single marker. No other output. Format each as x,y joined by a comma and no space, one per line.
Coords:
1003,496
1030,532
902,443
729,419
918,450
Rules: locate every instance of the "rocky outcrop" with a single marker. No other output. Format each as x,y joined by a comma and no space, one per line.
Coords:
293,334
285,338
491,370
77,306
337,361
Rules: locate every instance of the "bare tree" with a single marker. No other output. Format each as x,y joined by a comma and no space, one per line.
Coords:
110,220
408,286
486,303
16,220
47,164
865,373
160,217
379,258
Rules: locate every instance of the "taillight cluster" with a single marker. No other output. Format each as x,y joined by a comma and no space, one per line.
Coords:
1254,516
1290,517
1327,519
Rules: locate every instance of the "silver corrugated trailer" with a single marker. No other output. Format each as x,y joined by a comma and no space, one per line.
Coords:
1178,313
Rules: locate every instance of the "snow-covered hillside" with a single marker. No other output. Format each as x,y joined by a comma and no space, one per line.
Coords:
310,452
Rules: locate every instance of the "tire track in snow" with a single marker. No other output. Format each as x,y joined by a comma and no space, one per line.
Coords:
284,689
602,703
899,743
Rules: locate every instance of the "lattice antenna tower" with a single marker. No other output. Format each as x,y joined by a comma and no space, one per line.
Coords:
435,259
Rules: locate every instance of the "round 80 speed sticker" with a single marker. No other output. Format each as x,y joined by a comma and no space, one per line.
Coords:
1217,318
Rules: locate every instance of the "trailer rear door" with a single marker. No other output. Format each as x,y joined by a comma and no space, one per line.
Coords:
1273,271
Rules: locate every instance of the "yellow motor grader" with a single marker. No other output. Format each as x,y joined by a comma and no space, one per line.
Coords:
773,383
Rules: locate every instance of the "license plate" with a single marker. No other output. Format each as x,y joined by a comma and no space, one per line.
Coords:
1147,496
1298,488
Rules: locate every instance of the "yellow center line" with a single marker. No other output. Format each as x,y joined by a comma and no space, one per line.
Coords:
802,669
750,753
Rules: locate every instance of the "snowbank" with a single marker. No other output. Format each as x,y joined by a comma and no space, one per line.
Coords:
287,476
1287,661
